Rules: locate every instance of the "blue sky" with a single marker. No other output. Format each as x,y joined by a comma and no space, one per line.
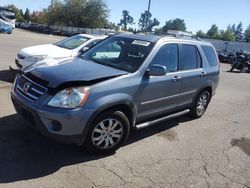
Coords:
198,14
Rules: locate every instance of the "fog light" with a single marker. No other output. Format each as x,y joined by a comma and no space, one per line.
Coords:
56,125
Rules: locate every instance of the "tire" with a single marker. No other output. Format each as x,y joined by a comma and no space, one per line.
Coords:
200,105
108,132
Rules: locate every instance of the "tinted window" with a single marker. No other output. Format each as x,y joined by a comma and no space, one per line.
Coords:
191,58
210,54
167,56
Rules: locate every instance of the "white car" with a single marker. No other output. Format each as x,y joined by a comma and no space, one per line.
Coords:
65,49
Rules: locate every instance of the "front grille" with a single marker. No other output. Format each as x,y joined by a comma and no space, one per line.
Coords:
20,56
36,79
29,89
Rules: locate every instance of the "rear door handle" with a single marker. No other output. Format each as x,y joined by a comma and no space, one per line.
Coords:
176,78
203,74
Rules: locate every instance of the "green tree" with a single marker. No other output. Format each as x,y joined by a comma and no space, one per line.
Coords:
176,24
78,13
233,28
146,23
96,14
21,13
201,34
55,13
247,34
229,34
38,17
213,32
152,24
27,15
18,12
158,31
143,21
111,25
126,19
239,33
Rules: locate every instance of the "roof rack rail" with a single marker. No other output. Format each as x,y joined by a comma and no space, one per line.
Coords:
181,34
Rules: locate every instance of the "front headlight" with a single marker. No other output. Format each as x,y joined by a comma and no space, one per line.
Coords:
35,58
70,98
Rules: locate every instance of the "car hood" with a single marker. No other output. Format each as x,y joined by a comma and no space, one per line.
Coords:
50,50
76,70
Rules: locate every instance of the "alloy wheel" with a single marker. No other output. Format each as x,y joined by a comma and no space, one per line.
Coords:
107,133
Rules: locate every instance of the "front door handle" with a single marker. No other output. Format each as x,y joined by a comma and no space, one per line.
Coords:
176,78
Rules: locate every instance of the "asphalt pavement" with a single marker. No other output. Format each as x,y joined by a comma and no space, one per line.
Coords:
213,151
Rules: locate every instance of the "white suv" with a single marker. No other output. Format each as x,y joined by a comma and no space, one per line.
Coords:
67,48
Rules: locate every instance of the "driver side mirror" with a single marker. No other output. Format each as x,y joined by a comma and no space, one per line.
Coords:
157,70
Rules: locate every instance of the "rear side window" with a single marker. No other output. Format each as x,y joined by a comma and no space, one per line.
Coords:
168,57
191,58
210,55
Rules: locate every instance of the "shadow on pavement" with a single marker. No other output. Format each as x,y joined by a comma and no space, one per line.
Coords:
24,154
8,75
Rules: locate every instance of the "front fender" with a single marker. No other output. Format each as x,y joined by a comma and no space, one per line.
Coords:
106,102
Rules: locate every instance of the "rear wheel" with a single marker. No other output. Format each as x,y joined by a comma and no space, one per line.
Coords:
200,105
107,133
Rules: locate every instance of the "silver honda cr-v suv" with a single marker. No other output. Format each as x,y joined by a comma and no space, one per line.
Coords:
125,82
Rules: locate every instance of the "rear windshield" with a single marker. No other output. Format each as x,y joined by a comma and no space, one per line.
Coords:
211,55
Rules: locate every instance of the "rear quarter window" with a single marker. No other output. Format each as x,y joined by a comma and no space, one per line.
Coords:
210,55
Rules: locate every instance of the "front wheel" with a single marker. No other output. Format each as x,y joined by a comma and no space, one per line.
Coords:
107,133
200,105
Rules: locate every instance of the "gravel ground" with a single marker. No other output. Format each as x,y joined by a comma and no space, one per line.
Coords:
213,151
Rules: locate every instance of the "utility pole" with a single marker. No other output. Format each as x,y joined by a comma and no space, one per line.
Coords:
149,5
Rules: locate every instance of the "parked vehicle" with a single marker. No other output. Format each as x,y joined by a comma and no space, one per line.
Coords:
128,81
241,63
4,28
69,47
7,17
227,57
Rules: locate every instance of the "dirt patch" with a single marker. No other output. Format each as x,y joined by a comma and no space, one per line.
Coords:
170,135
243,144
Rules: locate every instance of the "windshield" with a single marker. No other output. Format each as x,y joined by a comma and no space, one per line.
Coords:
120,53
72,42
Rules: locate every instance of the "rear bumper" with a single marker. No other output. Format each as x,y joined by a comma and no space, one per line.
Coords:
37,124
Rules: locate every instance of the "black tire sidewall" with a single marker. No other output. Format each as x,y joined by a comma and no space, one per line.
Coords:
105,115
